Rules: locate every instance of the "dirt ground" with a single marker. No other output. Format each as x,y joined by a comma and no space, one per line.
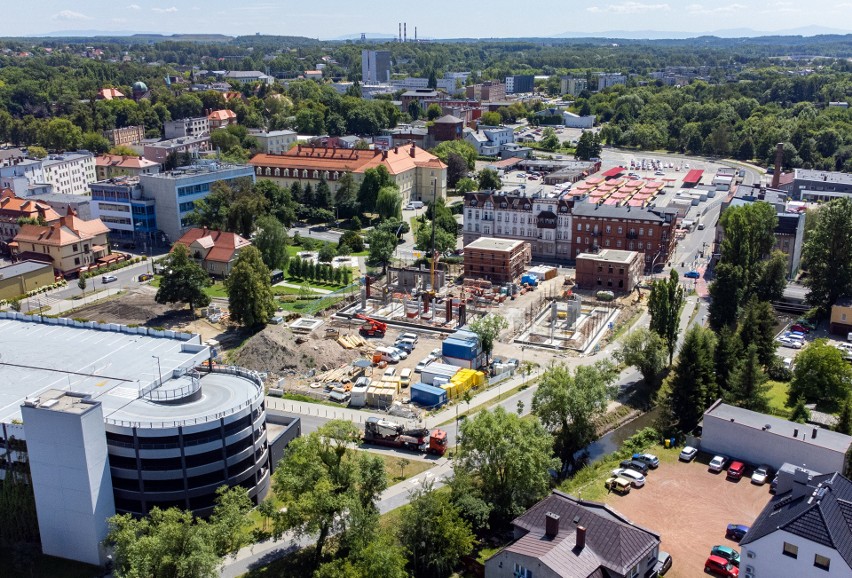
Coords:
690,507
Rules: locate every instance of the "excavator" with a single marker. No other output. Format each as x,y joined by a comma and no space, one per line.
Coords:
372,327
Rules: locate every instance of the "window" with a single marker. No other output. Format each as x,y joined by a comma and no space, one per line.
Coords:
579,226
76,260
608,229
620,230
791,550
820,562
521,572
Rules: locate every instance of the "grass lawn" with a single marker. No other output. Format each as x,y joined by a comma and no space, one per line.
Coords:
777,395
395,471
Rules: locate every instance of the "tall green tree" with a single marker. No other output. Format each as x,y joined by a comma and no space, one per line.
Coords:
549,141
828,254
844,418
664,305
508,459
271,240
183,280
433,111
346,196
588,146
773,278
757,327
460,147
692,386
320,483
488,329
382,247
727,356
368,192
250,300
489,180
726,293
389,202
456,169
646,351
748,388
821,375
569,405
433,533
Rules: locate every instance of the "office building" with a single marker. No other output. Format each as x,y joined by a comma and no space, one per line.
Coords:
140,421
375,66
274,142
159,151
120,205
65,174
195,127
174,192
820,186
247,77
520,83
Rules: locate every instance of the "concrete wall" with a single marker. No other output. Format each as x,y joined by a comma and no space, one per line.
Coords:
741,442
769,559
280,443
12,287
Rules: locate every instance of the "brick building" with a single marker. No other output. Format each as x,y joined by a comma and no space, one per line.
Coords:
128,135
497,260
490,90
448,127
611,270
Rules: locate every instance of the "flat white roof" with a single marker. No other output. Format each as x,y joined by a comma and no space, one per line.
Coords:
112,367
492,244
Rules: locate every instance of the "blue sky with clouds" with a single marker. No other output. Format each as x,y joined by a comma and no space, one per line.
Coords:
438,18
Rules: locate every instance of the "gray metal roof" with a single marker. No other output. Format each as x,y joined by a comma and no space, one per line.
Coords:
613,543
822,514
21,268
112,367
758,421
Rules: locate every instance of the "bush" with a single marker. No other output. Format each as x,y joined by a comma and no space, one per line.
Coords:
777,371
353,239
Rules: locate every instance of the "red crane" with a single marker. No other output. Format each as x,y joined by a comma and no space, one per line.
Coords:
372,327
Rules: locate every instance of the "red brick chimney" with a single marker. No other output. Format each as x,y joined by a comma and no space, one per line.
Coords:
779,161
412,151
551,525
581,537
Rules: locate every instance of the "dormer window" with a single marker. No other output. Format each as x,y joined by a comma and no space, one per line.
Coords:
304,173
316,174
259,171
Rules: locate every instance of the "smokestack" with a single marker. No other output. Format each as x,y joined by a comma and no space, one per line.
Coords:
399,39
405,31
551,525
581,537
415,34
779,160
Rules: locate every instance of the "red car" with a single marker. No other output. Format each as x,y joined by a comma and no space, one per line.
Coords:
721,567
800,328
736,471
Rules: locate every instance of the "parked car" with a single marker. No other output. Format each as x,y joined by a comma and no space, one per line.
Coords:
692,275
403,354
718,463
805,323
790,342
650,460
721,567
688,453
727,553
637,479
736,470
436,353
277,320
513,361
736,532
638,466
617,485
798,328
795,335
421,365
760,475
389,372
108,278
405,345
664,563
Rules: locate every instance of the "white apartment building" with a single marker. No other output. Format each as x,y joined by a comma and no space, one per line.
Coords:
274,142
489,140
65,174
197,126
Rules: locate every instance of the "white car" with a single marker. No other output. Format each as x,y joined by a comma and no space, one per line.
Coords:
760,475
718,463
636,479
422,364
436,353
403,354
789,342
688,453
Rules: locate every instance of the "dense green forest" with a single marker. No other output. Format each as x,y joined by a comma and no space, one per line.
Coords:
754,92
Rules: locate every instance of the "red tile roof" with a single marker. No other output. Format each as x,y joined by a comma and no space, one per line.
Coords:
221,244
396,160
222,115
120,161
14,208
110,94
69,229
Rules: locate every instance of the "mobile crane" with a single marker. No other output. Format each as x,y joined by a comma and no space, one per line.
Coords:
372,327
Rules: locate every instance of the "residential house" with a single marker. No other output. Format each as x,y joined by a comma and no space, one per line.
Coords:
69,244
108,166
411,168
222,118
565,537
125,136
274,142
489,140
841,317
313,74
14,209
110,94
215,251
804,531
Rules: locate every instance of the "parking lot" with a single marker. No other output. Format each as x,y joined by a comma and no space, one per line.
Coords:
690,508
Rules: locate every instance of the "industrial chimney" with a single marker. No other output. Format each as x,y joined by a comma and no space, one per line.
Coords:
779,160
415,34
399,39
405,31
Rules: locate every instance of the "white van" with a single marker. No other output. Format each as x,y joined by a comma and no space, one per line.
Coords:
414,205
388,354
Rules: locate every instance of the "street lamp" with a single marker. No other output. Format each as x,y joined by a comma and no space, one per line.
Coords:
159,368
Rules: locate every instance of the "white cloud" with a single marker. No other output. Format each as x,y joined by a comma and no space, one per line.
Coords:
727,9
135,7
629,8
165,10
119,21
70,15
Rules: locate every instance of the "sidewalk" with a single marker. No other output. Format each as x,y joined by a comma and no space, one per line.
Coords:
60,306
324,411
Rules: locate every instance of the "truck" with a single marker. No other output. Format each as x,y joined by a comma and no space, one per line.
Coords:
384,432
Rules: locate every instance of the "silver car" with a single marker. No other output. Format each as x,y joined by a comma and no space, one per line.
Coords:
636,479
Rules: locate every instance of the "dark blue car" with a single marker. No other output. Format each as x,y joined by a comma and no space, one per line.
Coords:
736,532
692,274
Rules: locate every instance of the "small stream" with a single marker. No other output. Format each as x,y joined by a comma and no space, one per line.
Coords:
612,441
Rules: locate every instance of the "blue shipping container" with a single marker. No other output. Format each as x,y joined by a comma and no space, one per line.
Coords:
427,395
461,349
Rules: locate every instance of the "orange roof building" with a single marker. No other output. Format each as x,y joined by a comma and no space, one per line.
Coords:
215,251
109,166
222,118
70,244
14,208
411,168
110,94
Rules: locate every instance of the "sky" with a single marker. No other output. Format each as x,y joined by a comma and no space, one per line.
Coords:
329,19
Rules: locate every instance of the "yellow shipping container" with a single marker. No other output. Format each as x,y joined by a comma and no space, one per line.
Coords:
479,378
451,389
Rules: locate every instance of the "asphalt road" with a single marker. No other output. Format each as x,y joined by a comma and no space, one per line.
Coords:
330,236
127,278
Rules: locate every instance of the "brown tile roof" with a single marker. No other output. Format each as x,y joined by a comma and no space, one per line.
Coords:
110,93
221,244
222,115
613,543
396,160
69,229
120,161
13,208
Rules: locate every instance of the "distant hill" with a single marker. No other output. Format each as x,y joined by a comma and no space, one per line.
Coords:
138,36
727,33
